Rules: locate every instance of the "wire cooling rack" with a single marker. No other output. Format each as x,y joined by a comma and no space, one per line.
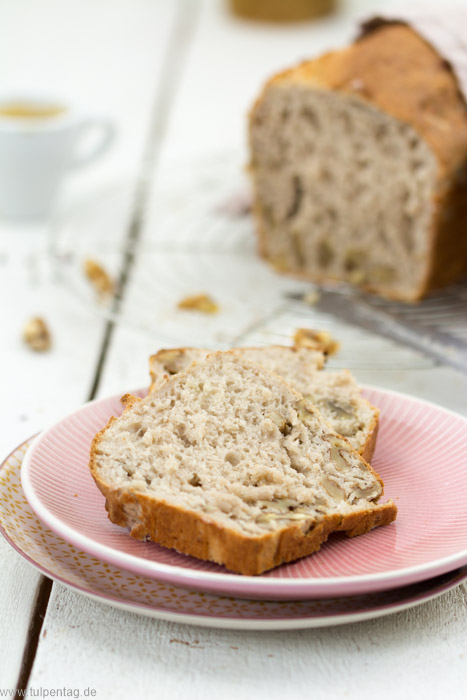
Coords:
196,235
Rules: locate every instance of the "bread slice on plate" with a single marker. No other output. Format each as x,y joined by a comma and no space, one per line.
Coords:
227,463
336,394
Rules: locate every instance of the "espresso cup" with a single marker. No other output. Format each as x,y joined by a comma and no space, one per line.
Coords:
41,140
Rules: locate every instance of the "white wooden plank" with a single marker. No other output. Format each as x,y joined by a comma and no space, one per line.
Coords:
36,390
107,55
419,653
19,589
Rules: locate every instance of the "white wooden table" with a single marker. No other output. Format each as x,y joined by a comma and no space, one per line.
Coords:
177,77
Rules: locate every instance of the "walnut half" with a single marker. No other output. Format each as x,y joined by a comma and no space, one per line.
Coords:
198,302
315,340
37,335
99,278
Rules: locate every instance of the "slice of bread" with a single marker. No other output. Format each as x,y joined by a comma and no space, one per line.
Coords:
227,463
335,393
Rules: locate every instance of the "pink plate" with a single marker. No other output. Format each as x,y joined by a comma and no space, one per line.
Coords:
63,562
421,456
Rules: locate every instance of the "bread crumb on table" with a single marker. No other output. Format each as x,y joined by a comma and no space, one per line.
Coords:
198,302
37,335
99,278
315,340
312,298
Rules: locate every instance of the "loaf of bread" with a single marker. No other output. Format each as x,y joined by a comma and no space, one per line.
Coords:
227,463
359,166
335,394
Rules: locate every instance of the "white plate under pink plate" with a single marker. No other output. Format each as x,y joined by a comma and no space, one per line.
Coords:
421,455
65,563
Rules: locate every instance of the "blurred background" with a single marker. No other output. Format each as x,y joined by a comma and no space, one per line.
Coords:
175,80
192,68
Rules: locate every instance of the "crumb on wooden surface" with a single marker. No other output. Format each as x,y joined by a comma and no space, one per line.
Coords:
198,302
36,335
192,645
315,340
99,278
311,298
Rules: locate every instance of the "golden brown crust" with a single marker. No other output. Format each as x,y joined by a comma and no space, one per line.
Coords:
128,400
368,449
396,70
358,523
194,534
449,251
413,84
160,357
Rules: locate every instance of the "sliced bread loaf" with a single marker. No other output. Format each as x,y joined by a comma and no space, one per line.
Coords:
336,394
227,463
359,162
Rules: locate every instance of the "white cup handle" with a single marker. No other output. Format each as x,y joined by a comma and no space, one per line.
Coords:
105,135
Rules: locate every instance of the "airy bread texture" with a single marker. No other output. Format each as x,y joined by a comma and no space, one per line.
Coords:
227,463
297,365
336,394
359,167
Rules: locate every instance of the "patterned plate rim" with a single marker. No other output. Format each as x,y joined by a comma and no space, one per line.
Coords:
246,586
458,577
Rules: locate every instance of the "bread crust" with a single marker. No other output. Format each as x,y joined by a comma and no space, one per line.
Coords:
414,85
195,534
159,357
368,449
